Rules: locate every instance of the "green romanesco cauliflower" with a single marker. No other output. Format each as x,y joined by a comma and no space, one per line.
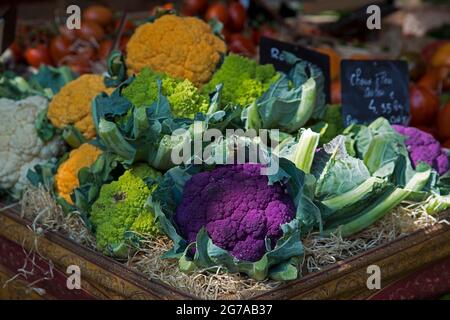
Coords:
243,80
184,98
144,89
120,208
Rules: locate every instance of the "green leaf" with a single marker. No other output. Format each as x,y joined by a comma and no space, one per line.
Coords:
106,168
380,146
284,272
336,171
45,130
383,205
73,137
109,107
15,87
300,152
52,78
291,101
185,263
216,26
43,174
117,70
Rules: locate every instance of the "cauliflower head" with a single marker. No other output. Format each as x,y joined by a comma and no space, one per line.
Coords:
120,208
238,208
423,147
244,81
72,104
66,178
181,47
184,98
20,146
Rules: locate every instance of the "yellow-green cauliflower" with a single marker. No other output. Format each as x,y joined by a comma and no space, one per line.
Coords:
184,98
120,210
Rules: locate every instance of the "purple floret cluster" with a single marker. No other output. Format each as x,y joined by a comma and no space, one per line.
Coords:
424,147
237,207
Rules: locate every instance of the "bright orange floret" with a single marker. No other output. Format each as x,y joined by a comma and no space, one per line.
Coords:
66,178
182,47
72,104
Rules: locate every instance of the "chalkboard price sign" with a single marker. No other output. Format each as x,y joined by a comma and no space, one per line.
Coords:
271,51
373,89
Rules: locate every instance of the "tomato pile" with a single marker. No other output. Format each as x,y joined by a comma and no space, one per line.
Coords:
83,50
241,34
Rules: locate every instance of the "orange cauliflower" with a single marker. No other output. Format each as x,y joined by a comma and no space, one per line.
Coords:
72,104
182,47
66,178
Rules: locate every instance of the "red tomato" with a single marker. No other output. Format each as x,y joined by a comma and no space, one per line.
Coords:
59,48
237,16
429,50
194,7
104,49
443,122
90,30
433,79
17,52
38,55
129,26
424,106
78,64
226,34
336,92
98,14
241,45
70,35
218,11
88,53
168,6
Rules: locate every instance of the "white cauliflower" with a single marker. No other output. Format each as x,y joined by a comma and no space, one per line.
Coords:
20,146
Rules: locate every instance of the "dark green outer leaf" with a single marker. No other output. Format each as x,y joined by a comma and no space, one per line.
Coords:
45,130
52,78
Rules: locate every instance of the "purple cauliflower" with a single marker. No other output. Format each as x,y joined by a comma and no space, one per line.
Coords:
237,207
424,147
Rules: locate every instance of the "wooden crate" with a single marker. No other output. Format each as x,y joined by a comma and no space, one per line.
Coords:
414,266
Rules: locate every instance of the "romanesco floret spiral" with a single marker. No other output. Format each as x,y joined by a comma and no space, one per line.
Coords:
184,98
244,81
121,208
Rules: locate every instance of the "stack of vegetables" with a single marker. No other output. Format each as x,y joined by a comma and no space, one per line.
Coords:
123,129
83,50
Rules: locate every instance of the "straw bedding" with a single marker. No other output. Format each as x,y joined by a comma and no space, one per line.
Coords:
41,210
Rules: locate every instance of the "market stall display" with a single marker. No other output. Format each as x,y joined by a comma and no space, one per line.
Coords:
110,193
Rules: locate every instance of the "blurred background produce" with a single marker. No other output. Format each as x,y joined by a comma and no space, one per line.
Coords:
416,31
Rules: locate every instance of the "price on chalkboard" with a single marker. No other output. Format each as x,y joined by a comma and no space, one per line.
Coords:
271,51
373,89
